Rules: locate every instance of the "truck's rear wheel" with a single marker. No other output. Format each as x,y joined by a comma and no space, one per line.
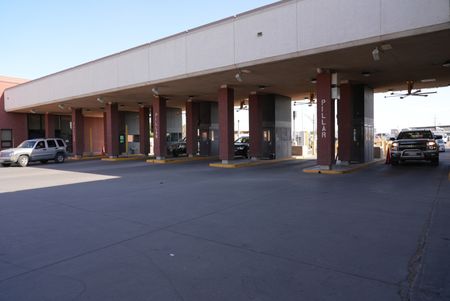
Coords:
59,158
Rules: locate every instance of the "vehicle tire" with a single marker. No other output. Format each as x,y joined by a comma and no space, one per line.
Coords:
44,161
23,160
435,162
6,164
59,158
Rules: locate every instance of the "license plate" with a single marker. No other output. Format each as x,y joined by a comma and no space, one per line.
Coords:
413,154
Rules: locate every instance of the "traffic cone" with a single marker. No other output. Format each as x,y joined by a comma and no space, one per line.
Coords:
388,156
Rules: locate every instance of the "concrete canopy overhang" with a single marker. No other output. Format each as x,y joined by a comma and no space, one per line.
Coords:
417,54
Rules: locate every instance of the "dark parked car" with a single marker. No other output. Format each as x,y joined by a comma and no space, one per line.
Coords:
178,148
415,145
241,146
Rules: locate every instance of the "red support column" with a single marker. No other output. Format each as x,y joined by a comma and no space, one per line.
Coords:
112,129
345,118
192,118
77,132
49,125
152,123
144,131
226,123
160,126
255,125
325,121
105,141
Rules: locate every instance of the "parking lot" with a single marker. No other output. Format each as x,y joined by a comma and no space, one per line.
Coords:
93,230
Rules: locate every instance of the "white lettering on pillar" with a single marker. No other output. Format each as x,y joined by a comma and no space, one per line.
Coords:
156,125
323,119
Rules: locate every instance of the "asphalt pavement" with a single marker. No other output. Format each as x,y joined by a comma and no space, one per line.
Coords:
95,230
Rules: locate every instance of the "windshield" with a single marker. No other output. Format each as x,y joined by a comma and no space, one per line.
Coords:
242,140
415,135
27,144
440,141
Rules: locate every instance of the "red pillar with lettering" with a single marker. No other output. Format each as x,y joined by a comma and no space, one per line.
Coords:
345,122
192,118
105,142
325,121
255,125
77,132
226,123
112,130
49,125
160,126
144,130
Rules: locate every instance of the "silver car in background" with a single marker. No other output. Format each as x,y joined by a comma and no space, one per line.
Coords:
441,144
41,150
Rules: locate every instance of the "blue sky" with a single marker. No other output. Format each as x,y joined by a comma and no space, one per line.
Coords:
40,37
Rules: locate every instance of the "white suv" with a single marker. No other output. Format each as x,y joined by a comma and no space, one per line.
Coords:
35,150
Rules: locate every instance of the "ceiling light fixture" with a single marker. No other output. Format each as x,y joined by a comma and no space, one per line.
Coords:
386,47
428,80
313,80
366,74
61,106
32,111
376,54
100,100
155,91
238,77
262,87
446,64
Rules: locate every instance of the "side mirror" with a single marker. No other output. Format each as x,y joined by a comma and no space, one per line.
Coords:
392,139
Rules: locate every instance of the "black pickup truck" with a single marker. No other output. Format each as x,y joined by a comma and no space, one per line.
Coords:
415,145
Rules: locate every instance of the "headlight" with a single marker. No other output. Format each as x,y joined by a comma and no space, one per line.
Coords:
395,146
431,145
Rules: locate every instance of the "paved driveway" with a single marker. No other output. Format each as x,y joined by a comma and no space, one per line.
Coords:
133,231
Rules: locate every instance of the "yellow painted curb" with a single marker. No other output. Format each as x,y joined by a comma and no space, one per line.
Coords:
134,158
86,158
230,165
248,164
179,160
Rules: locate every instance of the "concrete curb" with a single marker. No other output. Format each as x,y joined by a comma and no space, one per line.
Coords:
131,158
249,163
179,160
341,170
86,158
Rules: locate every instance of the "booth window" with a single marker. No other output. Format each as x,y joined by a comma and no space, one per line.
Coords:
6,138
